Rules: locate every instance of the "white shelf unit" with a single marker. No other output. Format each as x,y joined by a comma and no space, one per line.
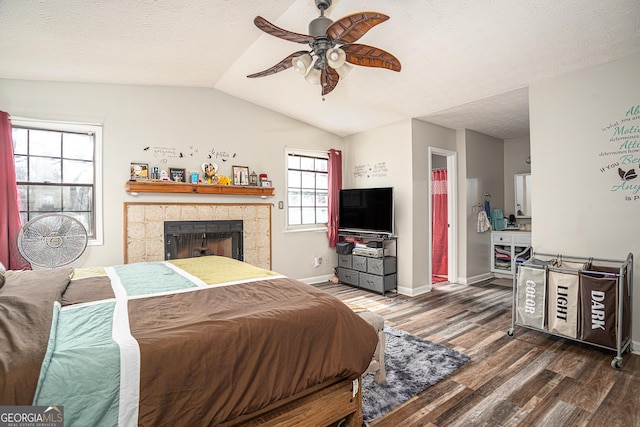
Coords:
509,248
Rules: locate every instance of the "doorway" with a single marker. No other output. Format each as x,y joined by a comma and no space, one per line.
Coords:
442,213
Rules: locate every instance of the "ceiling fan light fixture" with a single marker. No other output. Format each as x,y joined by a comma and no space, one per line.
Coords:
313,76
336,57
333,47
344,70
302,63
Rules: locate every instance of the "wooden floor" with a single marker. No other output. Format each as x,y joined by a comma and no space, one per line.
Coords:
531,379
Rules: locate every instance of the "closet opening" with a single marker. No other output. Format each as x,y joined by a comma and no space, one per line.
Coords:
442,259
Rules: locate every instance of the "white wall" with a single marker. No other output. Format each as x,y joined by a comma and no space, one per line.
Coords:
400,155
384,155
581,206
135,117
516,151
424,135
484,174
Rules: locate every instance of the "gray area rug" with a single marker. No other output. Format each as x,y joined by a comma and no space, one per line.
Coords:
413,365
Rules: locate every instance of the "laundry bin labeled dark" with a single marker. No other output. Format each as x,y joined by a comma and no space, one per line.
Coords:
598,298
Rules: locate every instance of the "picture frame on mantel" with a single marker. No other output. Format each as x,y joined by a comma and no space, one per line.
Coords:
240,175
177,175
139,171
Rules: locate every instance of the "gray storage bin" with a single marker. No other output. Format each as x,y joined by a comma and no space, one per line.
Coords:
349,277
344,261
359,262
377,283
381,266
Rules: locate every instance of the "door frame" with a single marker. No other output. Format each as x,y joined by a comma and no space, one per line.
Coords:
452,212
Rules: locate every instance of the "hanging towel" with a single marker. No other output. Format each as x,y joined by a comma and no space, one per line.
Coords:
483,222
487,208
497,220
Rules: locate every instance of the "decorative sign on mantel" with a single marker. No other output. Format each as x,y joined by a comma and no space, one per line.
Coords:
623,136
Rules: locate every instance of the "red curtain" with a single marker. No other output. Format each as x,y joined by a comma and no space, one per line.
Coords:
439,222
335,184
9,214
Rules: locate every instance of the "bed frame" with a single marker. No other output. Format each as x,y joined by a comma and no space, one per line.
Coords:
320,408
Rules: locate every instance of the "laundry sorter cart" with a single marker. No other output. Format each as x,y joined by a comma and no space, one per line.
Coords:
587,300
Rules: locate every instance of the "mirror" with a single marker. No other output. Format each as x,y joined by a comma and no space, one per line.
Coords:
522,188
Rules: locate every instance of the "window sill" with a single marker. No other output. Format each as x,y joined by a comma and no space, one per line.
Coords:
305,230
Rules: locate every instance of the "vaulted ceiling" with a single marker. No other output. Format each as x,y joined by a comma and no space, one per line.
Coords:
465,63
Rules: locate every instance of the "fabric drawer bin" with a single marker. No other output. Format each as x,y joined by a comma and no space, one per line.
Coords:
599,296
359,262
347,276
626,309
344,261
563,303
530,297
379,266
377,283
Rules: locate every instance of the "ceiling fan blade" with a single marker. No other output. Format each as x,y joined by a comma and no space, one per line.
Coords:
276,31
329,80
369,56
350,28
280,66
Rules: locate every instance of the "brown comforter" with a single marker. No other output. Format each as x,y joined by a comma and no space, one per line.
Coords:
217,351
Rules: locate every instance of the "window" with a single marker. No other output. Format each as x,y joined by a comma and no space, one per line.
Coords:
307,190
58,169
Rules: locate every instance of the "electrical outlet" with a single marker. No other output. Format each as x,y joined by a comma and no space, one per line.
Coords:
317,261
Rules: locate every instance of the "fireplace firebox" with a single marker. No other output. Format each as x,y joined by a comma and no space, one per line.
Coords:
187,239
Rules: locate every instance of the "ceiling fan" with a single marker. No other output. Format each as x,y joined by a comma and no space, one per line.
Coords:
332,46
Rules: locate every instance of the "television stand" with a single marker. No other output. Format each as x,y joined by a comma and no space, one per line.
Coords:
372,264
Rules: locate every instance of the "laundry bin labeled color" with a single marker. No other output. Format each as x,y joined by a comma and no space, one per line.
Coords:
530,296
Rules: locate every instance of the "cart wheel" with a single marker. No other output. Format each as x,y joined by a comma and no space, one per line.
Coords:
511,332
616,363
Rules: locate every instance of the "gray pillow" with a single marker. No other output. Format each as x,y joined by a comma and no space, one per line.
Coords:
34,280
2,278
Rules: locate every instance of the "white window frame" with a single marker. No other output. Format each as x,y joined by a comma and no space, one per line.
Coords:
307,153
98,239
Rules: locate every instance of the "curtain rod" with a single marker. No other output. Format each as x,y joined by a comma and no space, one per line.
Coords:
62,122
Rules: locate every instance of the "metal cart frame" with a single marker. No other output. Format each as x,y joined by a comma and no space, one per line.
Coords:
624,278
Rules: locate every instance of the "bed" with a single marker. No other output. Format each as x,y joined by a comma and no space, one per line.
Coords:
198,341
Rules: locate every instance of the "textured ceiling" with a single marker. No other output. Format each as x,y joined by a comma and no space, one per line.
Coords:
465,64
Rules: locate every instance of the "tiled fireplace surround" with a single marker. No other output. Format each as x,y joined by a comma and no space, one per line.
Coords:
144,227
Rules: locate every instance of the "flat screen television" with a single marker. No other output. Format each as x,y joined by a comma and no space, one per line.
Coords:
366,210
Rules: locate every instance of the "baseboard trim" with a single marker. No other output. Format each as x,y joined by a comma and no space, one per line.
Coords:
317,279
475,279
414,292
635,345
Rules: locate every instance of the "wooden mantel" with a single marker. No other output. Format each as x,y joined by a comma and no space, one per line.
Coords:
181,187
